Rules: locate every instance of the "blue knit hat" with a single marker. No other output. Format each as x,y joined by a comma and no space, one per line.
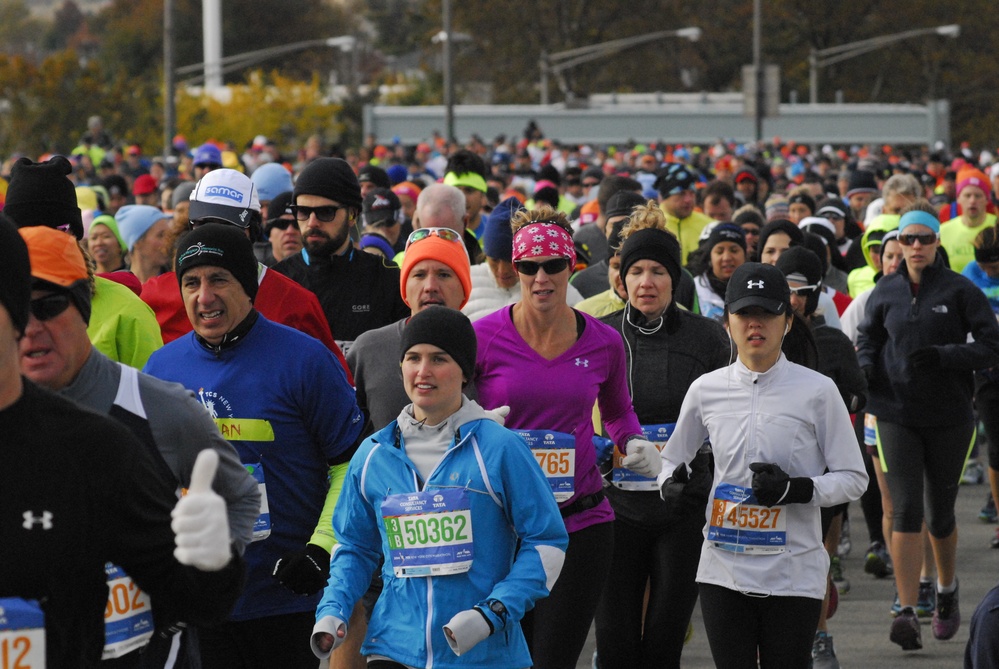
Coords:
497,241
271,179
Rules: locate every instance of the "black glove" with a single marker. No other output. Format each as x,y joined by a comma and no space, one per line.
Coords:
672,490
927,358
702,475
772,485
304,572
870,374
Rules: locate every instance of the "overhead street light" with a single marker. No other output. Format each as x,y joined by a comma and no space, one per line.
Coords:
824,57
557,63
243,60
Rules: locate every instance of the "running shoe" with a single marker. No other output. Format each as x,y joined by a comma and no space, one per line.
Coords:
974,473
926,602
995,539
823,654
947,617
988,512
877,561
836,570
905,630
844,540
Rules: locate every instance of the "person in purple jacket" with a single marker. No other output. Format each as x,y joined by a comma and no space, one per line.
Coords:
549,363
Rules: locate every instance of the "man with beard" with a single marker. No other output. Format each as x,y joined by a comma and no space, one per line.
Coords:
357,291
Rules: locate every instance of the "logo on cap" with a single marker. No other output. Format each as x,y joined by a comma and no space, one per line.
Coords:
754,284
225,191
197,250
380,201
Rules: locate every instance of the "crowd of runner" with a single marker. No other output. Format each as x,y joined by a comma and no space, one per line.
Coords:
467,401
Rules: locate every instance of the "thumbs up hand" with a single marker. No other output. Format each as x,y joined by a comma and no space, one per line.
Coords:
199,519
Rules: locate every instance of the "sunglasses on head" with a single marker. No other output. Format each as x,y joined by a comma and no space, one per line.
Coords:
804,290
925,238
447,234
49,306
324,213
530,268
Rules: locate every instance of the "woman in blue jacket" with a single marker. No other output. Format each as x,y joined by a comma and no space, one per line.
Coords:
459,510
914,349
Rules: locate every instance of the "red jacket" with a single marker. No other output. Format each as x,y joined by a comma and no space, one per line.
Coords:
279,299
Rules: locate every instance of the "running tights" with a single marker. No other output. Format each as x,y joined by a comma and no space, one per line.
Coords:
930,458
556,629
779,629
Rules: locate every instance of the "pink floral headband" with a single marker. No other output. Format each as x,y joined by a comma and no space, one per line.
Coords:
541,239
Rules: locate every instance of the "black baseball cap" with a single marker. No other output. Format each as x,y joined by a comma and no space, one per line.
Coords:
754,284
381,207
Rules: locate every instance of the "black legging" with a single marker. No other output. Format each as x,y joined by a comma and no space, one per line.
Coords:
668,557
987,408
935,455
779,629
557,627
870,501
274,641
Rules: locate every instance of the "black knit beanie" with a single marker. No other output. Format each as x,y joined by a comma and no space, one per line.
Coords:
331,178
726,232
652,244
15,275
445,328
41,194
222,246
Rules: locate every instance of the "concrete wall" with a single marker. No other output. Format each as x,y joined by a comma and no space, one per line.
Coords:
680,121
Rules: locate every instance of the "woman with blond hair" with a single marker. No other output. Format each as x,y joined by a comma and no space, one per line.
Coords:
666,348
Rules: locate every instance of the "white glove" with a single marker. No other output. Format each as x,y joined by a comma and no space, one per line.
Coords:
327,636
499,414
466,629
200,524
643,458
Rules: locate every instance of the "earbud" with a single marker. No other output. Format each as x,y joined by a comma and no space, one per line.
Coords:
787,329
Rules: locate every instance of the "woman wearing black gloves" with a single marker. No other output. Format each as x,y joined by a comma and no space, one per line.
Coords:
667,348
783,447
914,349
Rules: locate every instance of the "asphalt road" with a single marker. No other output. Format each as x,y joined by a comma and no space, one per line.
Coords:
860,626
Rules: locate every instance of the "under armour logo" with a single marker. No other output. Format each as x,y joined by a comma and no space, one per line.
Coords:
30,520
582,363
754,284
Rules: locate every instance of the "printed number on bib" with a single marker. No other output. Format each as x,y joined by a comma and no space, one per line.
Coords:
624,478
556,455
128,614
429,532
740,524
22,634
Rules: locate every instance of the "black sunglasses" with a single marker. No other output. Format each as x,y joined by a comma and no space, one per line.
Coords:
925,239
49,306
325,213
530,268
280,223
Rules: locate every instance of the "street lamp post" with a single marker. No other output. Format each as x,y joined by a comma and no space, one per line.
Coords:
242,60
824,57
557,63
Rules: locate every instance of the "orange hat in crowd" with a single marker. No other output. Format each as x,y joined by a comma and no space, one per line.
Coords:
433,247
